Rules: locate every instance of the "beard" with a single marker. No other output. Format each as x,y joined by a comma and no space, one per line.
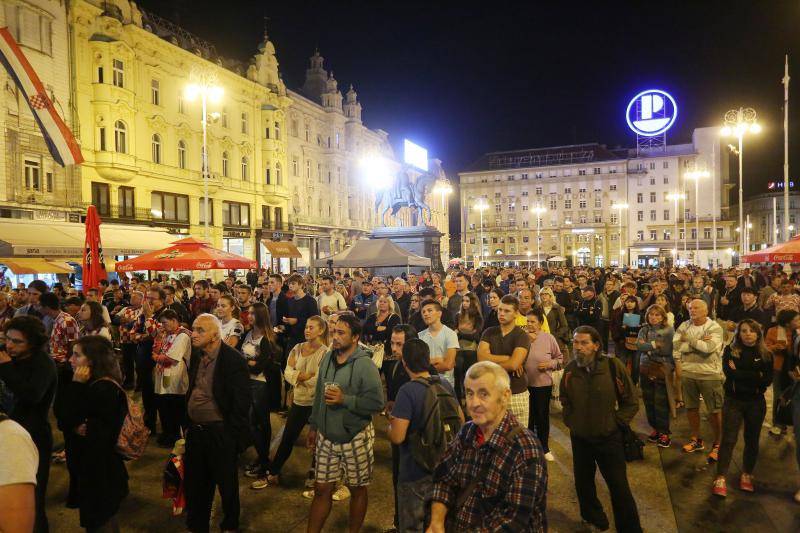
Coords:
583,361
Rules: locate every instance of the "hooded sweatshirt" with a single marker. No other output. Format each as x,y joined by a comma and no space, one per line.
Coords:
699,358
360,381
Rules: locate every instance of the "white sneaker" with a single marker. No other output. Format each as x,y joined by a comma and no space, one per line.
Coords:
549,456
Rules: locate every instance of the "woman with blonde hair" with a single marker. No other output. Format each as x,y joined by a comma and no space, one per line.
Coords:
654,345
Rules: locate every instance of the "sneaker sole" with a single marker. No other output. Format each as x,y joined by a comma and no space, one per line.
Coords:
693,450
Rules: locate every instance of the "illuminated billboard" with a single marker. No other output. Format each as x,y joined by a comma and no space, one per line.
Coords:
415,155
651,113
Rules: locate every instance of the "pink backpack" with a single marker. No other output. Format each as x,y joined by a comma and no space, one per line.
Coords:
132,439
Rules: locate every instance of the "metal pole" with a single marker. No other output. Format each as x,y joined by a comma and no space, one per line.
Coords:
685,230
774,220
697,220
785,150
538,230
676,229
206,234
480,256
742,229
714,202
747,236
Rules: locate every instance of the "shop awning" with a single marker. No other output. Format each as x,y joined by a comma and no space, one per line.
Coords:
22,238
281,249
35,265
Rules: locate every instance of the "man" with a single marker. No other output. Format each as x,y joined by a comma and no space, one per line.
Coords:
408,416
402,297
589,308
462,287
697,350
30,301
30,374
72,305
65,330
749,309
18,465
628,289
251,278
442,341
608,297
729,298
126,321
428,294
300,308
329,300
594,405
507,345
493,459
144,334
525,298
201,302
170,302
244,299
94,295
774,287
276,300
348,393
786,298
218,403
363,300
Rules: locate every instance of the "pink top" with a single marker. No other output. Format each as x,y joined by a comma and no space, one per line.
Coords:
543,350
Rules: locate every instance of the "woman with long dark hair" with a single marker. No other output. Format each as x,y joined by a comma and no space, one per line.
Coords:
95,409
747,364
625,324
495,295
90,318
262,354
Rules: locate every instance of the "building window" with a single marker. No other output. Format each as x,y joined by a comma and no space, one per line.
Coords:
612,187
719,233
293,128
102,139
224,117
666,215
235,214
278,133
614,217
278,173
582,172
202,210
29,27
99,74
567,204
681,234
119,73
49,178
596,170
156,148
524,193
652,181
245,128
667,235
155,92
640,235
125,202
706,233
181,104
538,191
225,164
33,173
639,198
295,167
268,176
100,198
640,216
245,170
181,154
653,235
120,137
169,207
652,166
652,197
567,190
553,203
308,168
266,132
524,176
598,218
666,164
337,140
581,204
582,218
598,202
308,132
653,215
666,180
694,233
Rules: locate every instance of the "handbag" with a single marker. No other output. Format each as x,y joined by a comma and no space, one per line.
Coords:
632,445
784,408
652,370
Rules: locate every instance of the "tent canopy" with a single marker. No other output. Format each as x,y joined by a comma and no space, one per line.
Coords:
186,254
35,265
374,253
785,252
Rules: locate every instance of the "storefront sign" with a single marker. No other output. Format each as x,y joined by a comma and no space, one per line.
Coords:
651,113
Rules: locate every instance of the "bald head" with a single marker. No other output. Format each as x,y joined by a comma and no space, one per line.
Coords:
698,311
206,332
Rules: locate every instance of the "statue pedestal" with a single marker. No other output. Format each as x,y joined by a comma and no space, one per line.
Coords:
419,240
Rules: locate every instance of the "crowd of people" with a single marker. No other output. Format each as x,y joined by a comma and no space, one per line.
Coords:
464,365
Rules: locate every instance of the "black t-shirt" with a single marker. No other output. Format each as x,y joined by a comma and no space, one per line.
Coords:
500,344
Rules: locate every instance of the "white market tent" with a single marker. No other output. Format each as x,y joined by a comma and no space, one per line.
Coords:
374,253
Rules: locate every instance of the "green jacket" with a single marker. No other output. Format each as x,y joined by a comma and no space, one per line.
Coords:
589,402
361,384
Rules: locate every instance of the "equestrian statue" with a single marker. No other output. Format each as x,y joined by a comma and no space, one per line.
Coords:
404,193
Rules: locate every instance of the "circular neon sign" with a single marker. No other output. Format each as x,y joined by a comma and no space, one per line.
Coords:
651,112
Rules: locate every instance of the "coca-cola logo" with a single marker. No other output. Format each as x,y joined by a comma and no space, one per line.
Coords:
783,257
203,265
125,268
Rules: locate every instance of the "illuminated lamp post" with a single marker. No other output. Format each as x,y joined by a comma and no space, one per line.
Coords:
697,175
676,196
538,211
620,208
738,123
444,188
481,206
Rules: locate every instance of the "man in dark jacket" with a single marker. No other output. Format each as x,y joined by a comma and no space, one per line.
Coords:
30,374
750,309
218,401
589,309
425,295
589,397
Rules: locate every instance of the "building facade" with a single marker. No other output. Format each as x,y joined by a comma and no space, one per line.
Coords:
597,206
766,217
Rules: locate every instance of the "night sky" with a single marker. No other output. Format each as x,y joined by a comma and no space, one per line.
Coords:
501,76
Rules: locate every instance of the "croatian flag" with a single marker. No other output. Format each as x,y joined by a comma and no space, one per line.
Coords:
60,141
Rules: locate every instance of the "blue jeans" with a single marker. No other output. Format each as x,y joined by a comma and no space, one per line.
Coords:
413,499
260,426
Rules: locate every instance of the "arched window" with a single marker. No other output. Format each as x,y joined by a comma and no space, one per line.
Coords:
225,164
120,137
278,174
182,153
245,172
156,148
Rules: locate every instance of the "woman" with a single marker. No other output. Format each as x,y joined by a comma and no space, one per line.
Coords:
682,311
469,325
262,353
228,313
625,325
495,295
172,349
301,372
181,294
779,340
654,344
663,302
95,409
747,364
91,320
378,326
544,357
413,306
555,318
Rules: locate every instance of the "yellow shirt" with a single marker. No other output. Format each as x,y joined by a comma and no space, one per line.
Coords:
522,321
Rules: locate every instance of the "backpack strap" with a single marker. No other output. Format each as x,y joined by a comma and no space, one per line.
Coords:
612,367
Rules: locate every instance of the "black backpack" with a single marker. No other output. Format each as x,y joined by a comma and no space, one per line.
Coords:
441,423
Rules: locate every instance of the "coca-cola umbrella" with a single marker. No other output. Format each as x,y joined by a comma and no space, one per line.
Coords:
93,267
785,252
187,254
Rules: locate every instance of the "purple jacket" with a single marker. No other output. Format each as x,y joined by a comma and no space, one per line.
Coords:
543,350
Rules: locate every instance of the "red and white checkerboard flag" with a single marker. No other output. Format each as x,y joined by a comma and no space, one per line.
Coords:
60,141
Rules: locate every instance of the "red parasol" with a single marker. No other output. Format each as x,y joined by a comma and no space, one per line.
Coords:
187,254
94,268
785,252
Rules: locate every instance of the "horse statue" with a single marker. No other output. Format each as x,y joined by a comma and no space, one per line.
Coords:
406,194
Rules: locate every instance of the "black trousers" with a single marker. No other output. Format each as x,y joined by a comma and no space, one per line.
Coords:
603,329
539,413
144,382
296,420
210,463
606,453
735,414
43,439
172,411
128,364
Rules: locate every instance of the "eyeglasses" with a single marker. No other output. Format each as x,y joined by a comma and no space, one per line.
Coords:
14,340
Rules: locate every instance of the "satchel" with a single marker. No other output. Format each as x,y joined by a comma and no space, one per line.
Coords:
631,443
132,438
652,370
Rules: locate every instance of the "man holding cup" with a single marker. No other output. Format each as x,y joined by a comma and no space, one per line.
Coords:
349,392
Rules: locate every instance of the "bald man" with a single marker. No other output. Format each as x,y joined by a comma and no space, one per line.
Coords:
218,402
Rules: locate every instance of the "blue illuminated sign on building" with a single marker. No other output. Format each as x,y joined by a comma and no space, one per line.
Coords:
651,113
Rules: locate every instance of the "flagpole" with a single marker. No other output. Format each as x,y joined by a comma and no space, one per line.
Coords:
786,148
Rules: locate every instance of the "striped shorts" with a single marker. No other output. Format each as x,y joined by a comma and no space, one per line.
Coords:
520,407
352,459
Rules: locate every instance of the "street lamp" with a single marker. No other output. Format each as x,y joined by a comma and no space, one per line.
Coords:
619,208
675,196
444,188
205,87
529,253
737,123
481,206
538,211
696,175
